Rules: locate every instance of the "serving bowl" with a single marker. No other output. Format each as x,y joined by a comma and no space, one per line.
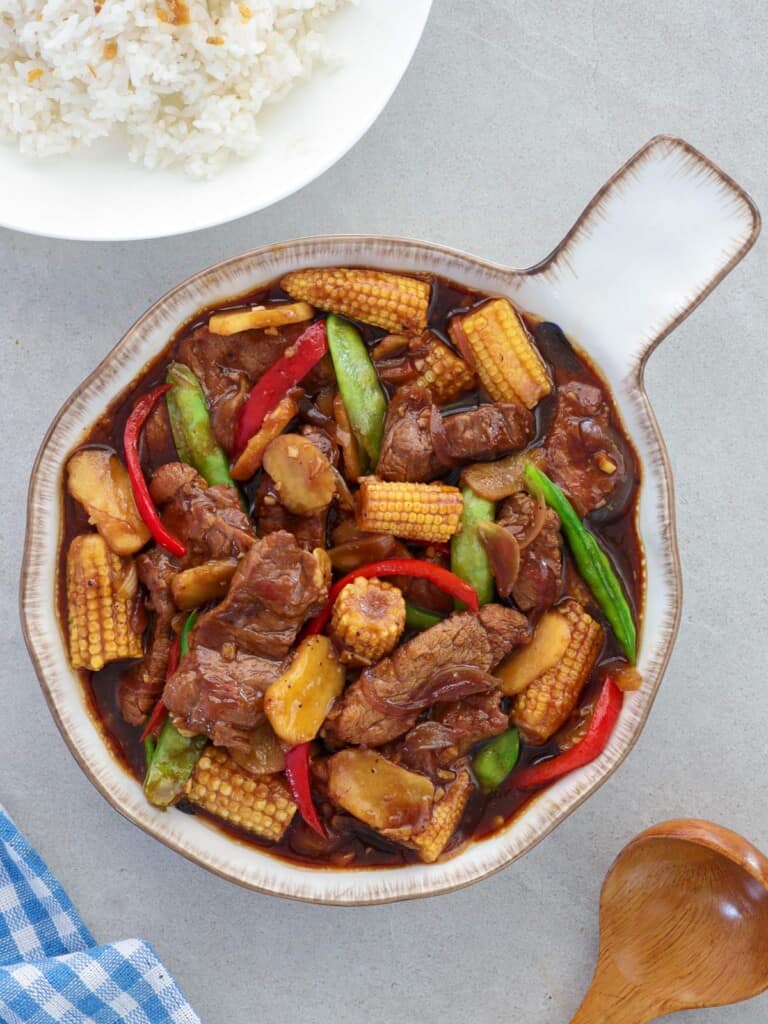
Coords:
98,195
654,241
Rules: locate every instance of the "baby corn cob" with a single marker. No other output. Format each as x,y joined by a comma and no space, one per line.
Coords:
544,706
260,804
442,372
426,512
390,301
446,815
509,367
368,620
102,593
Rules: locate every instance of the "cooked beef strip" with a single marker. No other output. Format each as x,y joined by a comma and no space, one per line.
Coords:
239,646
434,745
140,687
209,520
480,640
539,581
488,432
406,448
275,589
227,367
408,451
582,448
271,516
223,697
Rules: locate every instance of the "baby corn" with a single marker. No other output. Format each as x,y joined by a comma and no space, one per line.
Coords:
260,804
102,594
391,301
544,706
368,620
442,372
446,815
426,512
509,367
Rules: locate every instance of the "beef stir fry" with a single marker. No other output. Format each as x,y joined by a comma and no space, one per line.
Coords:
353,568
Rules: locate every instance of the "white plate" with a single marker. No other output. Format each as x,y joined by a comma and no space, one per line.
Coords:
98,195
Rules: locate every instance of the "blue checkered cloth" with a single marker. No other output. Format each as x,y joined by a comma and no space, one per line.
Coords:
52,971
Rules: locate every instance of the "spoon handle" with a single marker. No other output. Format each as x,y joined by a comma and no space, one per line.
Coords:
611,999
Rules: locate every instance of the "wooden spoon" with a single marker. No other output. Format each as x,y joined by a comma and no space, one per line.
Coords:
683,925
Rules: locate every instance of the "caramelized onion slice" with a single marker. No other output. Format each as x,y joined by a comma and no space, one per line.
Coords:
539,518
443,686
373,547
503,554
496,480
264,754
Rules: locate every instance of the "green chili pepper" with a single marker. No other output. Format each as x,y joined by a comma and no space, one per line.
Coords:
468,557
591,560
191,427
419,618
150,745
189,625
175,756
361,392
493,762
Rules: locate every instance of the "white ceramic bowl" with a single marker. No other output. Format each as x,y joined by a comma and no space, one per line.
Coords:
649,247
97,195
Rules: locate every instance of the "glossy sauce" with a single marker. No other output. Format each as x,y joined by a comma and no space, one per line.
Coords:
354,845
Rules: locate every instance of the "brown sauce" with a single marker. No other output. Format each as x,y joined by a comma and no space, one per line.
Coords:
616,528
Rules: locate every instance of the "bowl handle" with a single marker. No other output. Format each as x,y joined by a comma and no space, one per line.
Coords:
653,242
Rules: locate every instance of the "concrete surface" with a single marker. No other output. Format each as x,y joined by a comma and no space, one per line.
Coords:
510,116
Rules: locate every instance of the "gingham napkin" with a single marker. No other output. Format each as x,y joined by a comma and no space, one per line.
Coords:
51,970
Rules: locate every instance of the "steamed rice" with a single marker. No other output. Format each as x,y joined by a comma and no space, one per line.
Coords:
177,90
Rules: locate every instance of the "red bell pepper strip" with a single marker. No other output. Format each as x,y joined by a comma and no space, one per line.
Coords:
442,578
594,743
160,712
292,366
297,773
133,427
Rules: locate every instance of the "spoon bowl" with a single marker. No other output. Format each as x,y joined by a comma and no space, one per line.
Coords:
683,925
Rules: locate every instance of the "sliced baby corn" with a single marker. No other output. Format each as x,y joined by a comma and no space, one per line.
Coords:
495,340
260,804
546,703
441,371
391,301
426,512
102,595
446,815
368,620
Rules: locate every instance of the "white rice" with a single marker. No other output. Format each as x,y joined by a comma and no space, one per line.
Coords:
178,93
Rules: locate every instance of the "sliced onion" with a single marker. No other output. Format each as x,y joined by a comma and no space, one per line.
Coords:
539,518
343,492
374,547
425,738
439,437
447,684
496,480
396,371
503,553
460,340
